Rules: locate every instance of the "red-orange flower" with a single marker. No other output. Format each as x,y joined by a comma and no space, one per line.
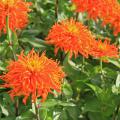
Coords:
107,10
17,12
104,50
33,75
81,5
92,7
71,36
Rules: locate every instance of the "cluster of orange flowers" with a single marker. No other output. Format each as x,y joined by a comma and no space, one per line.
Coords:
33,75
107,10
36,76
30,75
16,11
73,36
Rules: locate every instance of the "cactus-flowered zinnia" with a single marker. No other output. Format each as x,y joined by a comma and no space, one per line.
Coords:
33,75
71,36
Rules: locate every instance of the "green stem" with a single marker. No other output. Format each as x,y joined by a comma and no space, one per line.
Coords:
36,112
16,107
101,72
83,64
56,9
101,65
77,16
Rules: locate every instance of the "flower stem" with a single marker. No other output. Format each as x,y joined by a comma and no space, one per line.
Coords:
36,112
56,9
16,107
101,72
83,63
77,16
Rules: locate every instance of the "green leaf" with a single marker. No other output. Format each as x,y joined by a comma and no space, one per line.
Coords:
43,113
72,70
98,91
50,103
8,118
54,102
66,104
34,42
96,116
73,113
67,90
31,32
115,62
28,115
118,81
4,110
92,105
63,115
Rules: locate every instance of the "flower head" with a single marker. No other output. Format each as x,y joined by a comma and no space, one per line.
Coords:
107,10
33,75
70,36
16,11
104,50
94,8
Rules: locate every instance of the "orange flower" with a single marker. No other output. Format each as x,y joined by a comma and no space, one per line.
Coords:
16,10
33,75
81,5
92,7
107,10
71,36
104,50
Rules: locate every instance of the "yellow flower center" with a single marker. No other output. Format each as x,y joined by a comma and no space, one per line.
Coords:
35,63
72,28
8,2
102,47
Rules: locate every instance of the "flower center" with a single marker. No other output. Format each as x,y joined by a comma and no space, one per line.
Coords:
35,65
72,28
32,64
102,47
8,2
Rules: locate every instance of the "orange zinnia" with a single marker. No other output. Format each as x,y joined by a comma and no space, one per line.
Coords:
71,36
107,10
33,75
16,11
92,7
104,50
